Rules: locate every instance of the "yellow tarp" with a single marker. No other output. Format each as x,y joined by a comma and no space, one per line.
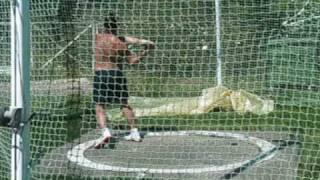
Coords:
220,97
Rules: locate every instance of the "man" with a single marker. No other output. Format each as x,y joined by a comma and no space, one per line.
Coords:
110,85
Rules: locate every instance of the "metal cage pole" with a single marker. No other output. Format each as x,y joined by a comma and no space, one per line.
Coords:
218,42
20,89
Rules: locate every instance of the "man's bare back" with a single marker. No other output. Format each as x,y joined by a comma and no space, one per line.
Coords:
108,51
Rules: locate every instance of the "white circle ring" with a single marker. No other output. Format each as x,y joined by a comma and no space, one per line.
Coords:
76,154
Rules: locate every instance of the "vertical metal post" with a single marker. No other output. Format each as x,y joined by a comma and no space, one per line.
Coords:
218,42
20,87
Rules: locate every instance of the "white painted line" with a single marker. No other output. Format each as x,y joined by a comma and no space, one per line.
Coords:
76,154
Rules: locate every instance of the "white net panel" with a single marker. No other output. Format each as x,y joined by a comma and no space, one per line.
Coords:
5,133
261,124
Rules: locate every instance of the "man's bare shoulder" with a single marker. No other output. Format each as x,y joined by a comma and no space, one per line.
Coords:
109,39
103,36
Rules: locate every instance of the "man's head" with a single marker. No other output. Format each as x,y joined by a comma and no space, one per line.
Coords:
110,24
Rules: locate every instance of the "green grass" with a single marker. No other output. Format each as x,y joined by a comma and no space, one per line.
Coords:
284,119
291,119
74,115
179,68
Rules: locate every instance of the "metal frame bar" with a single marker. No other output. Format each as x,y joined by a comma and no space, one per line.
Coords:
20,87
218,42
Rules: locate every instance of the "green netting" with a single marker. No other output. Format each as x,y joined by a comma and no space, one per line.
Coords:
289,59
5,133
270,53
293,66
5,144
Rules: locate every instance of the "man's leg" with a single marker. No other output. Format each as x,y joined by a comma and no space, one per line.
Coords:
101,116
129,114
101,120
99,97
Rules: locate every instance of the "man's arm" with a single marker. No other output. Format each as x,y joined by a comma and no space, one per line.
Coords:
134,40
131,57
135,58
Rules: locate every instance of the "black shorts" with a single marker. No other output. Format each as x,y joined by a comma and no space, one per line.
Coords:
110,87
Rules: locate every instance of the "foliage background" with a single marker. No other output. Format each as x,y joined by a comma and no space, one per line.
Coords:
262,53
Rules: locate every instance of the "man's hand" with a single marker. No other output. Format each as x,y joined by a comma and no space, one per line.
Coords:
149,46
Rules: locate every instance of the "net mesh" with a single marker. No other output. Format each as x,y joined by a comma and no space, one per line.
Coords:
5,133
270,52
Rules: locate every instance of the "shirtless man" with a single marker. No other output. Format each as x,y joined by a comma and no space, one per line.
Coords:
110,85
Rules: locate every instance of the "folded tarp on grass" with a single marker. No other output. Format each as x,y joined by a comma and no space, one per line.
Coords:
218,97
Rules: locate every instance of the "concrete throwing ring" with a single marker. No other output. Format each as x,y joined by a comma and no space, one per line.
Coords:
267,151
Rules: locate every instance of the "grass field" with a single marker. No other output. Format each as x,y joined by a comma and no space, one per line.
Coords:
301,120
260,55
72,115
297,120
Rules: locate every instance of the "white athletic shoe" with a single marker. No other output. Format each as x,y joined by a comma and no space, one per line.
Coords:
103,140
133,136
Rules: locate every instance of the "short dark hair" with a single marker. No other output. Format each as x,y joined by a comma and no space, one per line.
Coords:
110,23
